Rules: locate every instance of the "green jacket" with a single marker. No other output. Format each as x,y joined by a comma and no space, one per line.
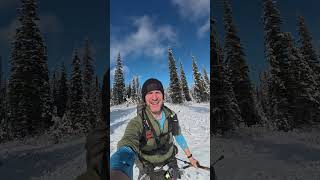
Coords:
134,133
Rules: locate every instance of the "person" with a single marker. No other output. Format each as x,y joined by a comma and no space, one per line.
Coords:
148,138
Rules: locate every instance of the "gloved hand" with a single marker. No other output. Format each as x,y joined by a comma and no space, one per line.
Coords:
123,161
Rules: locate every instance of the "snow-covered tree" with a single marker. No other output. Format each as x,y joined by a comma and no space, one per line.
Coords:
198,89
175,87
301,85
307,49
206,84
129,91
62,97
76,104
235,59
89,86
278,68
118,83
30,103
184,84
224,109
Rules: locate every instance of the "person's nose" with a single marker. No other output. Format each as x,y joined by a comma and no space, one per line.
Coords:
154,96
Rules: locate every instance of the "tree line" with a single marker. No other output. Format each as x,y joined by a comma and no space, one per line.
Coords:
177,92
288,96
34,102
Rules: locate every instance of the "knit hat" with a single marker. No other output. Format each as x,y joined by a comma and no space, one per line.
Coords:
151,85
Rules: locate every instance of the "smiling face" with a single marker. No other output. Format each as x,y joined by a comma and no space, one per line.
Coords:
154,99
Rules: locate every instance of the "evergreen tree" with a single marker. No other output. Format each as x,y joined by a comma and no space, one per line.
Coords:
29,91
54,88
89,88
275,54
198,84
138,89
206,84
118,83
235,58
62,97
174,85
307,49
76,94
184,84
301,86
224,109
129,91
134,90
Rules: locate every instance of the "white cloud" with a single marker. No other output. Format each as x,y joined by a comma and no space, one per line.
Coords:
202,30
148,39
193,9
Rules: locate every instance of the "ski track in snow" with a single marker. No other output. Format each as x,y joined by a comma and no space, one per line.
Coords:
38,160
195,126
258,154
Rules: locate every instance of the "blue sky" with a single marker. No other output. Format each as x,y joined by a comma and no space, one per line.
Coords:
64,26
247,17
143,30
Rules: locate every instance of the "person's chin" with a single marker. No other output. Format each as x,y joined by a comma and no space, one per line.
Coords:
155,109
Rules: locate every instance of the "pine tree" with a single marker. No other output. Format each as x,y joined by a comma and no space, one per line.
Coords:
206,84
198,84
235,58
301,86
54,88
29,91
307,49
62,96
224,109
129,91
89,88
275,53
174,85
134,90
76,94
118,83
184,84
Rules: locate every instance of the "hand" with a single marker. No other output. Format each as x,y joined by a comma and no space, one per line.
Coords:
194,162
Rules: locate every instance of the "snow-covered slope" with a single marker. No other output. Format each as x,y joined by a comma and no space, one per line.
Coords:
195,125
260,154
37,158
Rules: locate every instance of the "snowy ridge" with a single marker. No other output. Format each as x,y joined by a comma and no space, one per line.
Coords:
195,125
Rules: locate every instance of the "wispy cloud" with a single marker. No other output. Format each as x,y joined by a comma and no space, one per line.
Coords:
148,39
201,32
193,9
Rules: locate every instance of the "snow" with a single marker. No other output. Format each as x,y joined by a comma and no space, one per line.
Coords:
260,154
195,126
38,158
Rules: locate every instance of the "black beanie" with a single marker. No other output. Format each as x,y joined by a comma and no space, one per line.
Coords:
151,85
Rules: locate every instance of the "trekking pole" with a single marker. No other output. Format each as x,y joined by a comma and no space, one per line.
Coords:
219,159
189,165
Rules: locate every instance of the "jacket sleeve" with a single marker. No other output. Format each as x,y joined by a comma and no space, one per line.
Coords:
132,135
